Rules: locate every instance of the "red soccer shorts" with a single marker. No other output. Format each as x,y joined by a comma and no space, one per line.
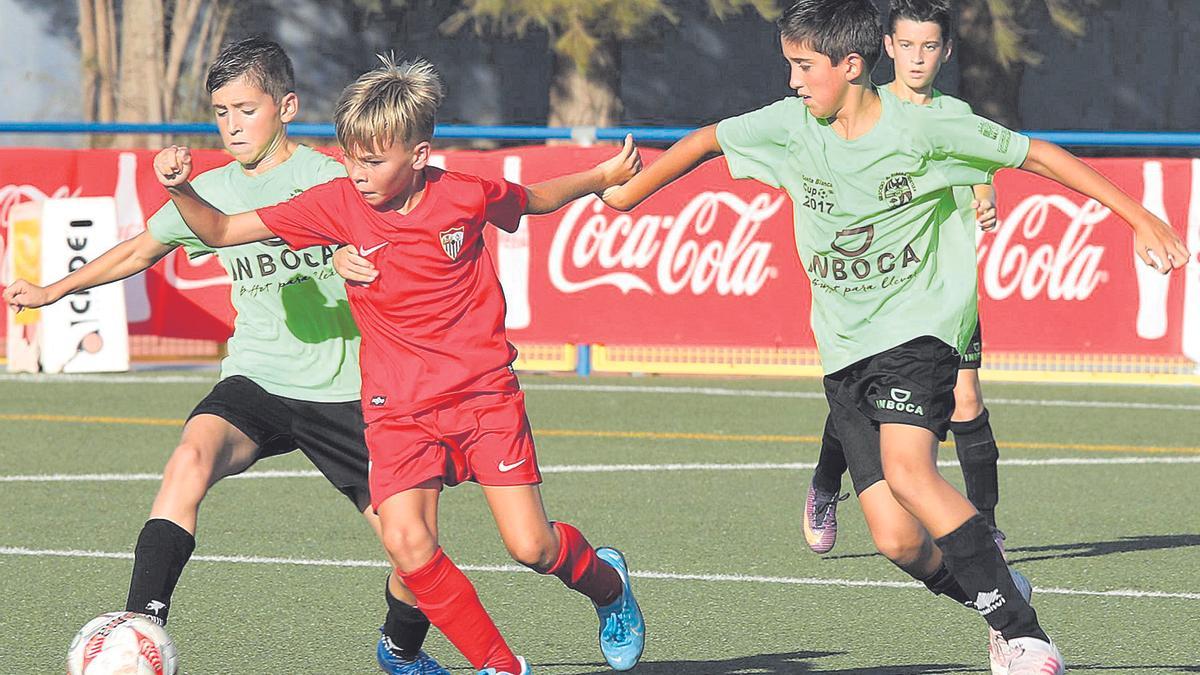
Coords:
480,437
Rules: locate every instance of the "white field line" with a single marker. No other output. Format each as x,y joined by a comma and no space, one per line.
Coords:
616,389
775,393
513,569
608,468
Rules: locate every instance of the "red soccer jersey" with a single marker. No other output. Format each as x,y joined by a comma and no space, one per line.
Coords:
432,323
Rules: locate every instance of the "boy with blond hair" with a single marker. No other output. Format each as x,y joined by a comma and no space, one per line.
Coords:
442,404
892,268
291,377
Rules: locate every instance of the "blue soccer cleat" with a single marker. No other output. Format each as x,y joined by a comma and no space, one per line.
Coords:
390,662
525,670
622,628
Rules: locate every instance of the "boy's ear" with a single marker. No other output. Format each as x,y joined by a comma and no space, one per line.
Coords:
854,66
420,155
289,107
949,50
889,47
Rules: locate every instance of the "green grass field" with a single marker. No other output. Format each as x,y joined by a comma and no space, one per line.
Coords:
1098,497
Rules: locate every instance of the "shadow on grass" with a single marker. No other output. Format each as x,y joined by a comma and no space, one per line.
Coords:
1083,549
774,664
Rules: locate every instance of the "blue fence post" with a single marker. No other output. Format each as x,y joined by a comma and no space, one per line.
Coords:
583,360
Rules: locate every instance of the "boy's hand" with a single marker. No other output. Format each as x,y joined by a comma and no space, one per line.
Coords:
23,295
173,165
985,214
622,166
353,267
1159,246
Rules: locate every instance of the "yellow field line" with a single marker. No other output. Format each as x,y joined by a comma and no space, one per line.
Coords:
95,419
643,435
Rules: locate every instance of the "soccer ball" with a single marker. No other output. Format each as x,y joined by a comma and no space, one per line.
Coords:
122,643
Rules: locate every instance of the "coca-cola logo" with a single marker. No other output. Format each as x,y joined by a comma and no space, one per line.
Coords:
672,253
1023,257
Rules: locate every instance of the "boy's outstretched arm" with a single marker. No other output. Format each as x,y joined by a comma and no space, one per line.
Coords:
123,260
173,167
1153,240
685,155
555,193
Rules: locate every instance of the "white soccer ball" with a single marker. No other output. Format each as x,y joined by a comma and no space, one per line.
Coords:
122,643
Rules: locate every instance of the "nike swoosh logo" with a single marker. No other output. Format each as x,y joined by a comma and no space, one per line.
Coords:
505,468
368,251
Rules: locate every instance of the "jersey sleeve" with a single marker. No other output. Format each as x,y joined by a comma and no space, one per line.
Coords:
504,203
311,218
755,144
169,229
970,149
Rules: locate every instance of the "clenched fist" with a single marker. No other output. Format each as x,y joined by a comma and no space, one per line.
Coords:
173,165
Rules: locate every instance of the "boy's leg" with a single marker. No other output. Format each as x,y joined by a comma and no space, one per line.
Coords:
550,548
820,504
964,537
210,449
975,444
558,548
331,436
831,462
442,591
496,442
902,539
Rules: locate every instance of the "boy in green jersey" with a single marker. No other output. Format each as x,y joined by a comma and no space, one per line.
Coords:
919,41
291,378
891,261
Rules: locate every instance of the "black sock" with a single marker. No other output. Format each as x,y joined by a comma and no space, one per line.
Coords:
970,554
941,582
977,454
405,627
163,548
831,463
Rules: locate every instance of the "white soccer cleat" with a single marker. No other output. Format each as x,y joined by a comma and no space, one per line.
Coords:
999,652
1031,656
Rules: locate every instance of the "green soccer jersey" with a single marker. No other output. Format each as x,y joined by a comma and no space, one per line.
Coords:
886,249
963,195
293,334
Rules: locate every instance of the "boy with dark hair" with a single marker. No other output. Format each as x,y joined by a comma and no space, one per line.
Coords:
291,377
443,404
892,267
919,41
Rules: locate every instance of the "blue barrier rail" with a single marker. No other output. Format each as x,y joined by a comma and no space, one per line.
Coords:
1134,139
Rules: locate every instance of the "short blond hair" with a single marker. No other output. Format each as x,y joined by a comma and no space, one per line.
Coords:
394,103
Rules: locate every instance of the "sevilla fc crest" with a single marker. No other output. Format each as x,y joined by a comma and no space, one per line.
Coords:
452,241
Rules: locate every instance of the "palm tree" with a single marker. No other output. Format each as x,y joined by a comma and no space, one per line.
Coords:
585,38
993,50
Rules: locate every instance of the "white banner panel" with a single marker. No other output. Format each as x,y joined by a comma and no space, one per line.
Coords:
85,332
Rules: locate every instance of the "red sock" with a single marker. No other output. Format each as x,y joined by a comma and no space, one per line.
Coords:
580,569
447,597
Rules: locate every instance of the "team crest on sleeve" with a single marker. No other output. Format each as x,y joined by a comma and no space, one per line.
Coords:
452,241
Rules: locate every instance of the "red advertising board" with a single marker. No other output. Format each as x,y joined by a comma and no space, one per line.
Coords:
711,261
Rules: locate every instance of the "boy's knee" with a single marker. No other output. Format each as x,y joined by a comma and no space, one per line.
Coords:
968,405
908,554
536,552
409,547
189,464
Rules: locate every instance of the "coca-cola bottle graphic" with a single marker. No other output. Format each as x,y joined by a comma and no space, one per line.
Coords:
130,223
1152,284
512,261
1191,273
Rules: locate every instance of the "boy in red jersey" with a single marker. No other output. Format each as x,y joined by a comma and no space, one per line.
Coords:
440,399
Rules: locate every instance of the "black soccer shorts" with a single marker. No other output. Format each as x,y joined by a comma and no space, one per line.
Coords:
331,435
912,383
